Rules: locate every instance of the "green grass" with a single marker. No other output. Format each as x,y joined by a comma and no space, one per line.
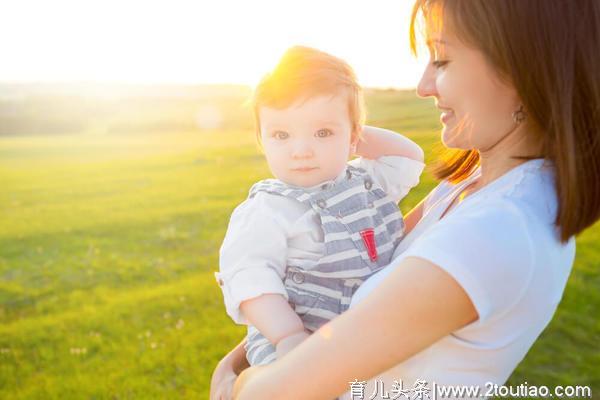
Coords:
108,241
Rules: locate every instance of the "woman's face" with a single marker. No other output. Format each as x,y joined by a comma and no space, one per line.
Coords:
476,106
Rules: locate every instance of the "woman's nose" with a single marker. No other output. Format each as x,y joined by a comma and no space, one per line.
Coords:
427,86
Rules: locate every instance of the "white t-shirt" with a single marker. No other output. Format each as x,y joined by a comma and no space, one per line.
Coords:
268,232
500,244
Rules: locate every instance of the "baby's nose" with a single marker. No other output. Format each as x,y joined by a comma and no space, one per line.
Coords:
302,150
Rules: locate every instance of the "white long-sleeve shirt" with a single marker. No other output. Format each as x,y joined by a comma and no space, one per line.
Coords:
268,232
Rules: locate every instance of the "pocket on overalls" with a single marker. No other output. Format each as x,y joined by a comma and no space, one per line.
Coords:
304,302
302,299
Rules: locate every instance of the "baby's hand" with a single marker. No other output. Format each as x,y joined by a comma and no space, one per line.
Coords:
288,343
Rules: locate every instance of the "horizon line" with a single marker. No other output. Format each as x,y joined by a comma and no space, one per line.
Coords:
160,83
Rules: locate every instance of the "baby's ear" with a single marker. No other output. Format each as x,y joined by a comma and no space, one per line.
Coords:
354,139
353,146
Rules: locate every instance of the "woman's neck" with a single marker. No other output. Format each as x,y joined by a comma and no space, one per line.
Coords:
508,154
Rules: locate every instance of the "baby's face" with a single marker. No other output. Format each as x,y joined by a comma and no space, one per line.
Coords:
308,142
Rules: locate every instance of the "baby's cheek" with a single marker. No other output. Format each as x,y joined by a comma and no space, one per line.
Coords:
277,167
338,163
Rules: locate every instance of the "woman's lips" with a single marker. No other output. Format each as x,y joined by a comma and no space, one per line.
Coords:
447,112
446,116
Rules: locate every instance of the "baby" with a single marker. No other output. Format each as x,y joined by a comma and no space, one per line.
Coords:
300,245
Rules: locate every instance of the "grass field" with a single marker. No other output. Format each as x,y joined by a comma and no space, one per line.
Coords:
108,240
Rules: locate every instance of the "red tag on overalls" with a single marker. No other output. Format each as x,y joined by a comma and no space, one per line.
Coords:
368,237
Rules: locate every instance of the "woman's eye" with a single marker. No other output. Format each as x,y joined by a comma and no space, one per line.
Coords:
439,63
323,133
281,135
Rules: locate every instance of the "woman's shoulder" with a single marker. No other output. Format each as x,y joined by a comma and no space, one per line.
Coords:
513,220
495,227
527,192
522,203
530,187
505,234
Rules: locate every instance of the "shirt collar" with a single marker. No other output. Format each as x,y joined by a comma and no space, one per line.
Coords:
319,186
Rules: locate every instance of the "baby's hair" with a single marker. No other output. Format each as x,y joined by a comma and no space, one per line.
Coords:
303,73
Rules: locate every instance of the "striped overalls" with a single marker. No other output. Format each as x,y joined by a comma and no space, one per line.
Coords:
361,226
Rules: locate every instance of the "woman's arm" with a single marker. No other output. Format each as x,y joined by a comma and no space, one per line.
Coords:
415,306
413,216
227,370
377,142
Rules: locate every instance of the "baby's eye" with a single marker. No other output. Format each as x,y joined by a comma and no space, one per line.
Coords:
281,135
323,133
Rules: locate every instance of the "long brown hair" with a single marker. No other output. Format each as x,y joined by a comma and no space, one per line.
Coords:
550,52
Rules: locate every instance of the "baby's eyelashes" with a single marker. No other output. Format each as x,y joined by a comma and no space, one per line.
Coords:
281,135
323,133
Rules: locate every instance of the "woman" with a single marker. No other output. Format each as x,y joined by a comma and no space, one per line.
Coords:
490,249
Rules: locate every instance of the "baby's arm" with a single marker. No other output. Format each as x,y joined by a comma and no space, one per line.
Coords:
253,267
378,142
273,316
392,160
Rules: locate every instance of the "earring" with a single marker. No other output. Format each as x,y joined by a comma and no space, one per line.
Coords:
519,115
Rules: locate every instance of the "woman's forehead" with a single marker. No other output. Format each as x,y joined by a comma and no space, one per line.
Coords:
439,25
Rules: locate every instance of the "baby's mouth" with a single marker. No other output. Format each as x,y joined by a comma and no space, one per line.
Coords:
304,169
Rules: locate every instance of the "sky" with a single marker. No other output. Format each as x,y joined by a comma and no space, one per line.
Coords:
199,42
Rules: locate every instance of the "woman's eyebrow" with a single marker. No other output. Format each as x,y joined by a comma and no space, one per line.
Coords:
439,41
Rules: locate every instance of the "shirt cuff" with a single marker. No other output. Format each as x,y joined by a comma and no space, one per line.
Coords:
400,173
411,169
246,284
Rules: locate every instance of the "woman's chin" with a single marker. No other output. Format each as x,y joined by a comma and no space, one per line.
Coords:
452,140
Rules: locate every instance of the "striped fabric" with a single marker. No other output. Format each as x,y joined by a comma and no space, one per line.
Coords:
346,208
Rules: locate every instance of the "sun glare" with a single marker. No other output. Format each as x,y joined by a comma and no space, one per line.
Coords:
199,42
